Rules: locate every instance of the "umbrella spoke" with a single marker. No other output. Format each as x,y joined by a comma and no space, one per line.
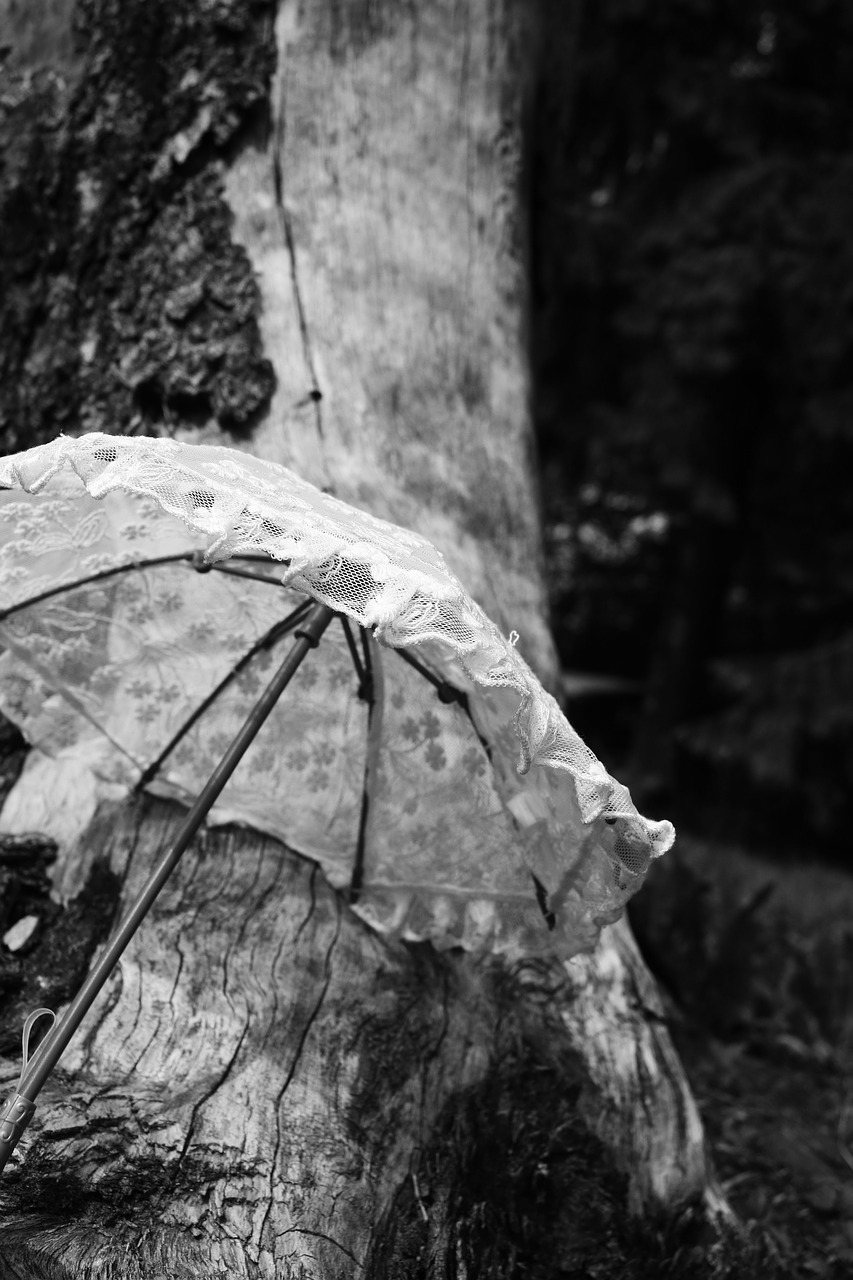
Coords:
275,633
368,665
247,573
100,576
446,693
367,691
189,557
359,665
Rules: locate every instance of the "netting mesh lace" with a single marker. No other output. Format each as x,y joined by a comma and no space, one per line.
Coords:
490,823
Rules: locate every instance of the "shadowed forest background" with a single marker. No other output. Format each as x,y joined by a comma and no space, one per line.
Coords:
693,334
692,342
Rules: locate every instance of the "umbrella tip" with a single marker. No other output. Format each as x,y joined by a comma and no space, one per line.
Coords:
199,563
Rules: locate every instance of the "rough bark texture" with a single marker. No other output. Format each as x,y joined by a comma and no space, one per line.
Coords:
267,1089
123,300
382,219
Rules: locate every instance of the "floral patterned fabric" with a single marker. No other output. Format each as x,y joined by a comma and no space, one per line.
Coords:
481,821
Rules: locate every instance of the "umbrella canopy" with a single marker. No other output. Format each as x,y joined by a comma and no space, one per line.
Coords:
415,755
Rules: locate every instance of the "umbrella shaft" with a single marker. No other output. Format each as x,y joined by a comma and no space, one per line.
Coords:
48,1054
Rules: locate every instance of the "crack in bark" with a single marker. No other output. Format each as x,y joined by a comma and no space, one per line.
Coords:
197,1106
304,1231
314,1014
311,1019
138,1015
313,903
181,959
656,1025
234,947
315,394
273,1018
115,989
430,1057
154,1035
260,904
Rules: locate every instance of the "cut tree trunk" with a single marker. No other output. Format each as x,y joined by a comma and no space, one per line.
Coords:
299,229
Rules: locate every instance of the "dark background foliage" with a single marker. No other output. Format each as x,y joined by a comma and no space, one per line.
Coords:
692,344
692,351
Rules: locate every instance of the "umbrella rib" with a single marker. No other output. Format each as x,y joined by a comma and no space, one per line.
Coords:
247,573
368,692
102,575
357,662
266,641
446,693
441,686
251,559
368,661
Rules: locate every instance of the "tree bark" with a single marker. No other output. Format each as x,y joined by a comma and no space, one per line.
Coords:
300,230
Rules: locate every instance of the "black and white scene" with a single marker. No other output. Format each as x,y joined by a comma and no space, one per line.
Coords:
426,639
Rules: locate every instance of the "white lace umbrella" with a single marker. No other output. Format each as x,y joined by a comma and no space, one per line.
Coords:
415,756
478,790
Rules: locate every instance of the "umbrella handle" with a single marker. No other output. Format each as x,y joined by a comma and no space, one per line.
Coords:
17,1111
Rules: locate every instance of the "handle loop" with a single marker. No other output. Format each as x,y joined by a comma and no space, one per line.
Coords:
17,1110
25,1039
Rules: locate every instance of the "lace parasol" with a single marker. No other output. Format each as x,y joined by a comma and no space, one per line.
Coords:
415,755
